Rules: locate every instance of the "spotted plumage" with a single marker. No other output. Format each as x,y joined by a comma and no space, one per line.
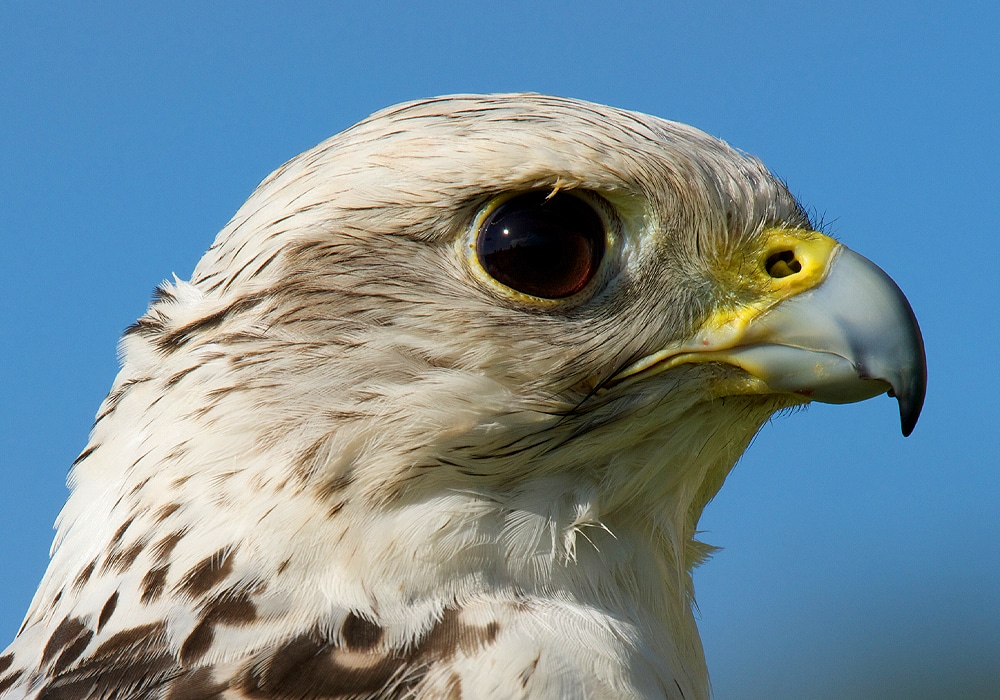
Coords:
351,459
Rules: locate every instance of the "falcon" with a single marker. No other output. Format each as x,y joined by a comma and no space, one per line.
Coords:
439,410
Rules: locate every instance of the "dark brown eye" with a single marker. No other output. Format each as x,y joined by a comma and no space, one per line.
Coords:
544,246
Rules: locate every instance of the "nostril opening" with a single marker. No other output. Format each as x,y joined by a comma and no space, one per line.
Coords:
782,264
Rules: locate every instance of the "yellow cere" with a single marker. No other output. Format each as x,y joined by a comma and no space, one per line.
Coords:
789,262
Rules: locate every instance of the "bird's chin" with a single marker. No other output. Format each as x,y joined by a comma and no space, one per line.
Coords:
735,383
705,382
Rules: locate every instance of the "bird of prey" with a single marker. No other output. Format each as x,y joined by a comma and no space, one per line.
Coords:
438,412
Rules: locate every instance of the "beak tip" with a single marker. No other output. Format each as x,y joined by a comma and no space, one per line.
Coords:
910,405
907,425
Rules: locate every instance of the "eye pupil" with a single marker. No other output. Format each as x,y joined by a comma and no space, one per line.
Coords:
545,246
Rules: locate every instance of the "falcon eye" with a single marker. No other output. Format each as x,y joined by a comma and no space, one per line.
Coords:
542,245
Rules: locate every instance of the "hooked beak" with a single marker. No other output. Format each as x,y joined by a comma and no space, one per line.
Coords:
842,332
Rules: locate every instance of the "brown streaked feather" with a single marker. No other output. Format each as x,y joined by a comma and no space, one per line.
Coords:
353,665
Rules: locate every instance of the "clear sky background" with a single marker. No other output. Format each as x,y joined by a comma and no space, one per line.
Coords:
856,563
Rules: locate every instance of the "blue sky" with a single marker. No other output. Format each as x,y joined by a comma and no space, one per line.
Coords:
856,563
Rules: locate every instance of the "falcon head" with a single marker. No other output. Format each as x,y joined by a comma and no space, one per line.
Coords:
439,410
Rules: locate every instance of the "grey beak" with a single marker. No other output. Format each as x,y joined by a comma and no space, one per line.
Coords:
850,338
